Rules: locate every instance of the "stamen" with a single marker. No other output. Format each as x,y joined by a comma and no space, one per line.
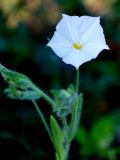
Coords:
77,46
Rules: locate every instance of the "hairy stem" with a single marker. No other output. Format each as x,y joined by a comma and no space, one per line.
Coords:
71,136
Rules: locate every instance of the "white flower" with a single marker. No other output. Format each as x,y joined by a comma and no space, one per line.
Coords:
78,39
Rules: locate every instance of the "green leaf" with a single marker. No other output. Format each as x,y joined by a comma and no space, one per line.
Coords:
75,120
19,85
58,138
102,133
100,137
14,93
83,138
57,157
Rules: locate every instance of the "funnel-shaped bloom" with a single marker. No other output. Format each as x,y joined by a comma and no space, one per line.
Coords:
78,39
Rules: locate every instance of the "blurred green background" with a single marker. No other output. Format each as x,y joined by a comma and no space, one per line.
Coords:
25,27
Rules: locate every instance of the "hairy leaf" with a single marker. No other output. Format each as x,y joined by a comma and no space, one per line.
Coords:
58,138
19,85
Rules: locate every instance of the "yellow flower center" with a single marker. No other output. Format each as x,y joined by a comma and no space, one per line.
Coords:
77,46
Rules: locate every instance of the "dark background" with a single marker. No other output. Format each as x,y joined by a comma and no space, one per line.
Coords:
25,27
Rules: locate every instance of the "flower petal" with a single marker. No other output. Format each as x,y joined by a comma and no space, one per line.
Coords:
60,45
68,26
94,49
74,30
94,34
61,51
85,23
73,58
95,43
59,41
78,57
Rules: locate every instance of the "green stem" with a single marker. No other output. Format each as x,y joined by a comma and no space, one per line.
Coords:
66,137
69,135
77,87
77,90
67,149
77,81
65,126
42,118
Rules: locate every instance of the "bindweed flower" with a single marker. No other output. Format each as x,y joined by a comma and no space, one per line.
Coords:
78,39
